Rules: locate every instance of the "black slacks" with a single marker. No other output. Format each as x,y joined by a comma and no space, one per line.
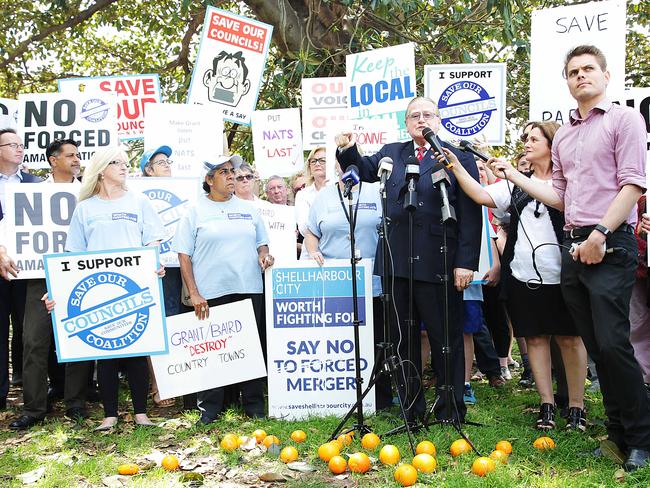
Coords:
598,298
137,373
12,309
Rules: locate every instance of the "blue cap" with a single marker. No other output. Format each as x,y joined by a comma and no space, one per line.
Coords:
146,157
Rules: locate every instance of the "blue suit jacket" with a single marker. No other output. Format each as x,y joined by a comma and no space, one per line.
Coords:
26,178
463,238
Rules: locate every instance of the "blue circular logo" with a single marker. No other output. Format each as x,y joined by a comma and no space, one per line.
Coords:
94,110
170,209
108,311
465,108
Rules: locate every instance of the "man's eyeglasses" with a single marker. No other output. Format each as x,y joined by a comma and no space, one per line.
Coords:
14,145
316,161
241,178
424,115
163,162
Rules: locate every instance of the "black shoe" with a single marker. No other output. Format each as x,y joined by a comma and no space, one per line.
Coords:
3,405
76,413
17,379
526,380
636,458
24,422
576,419
546,418
93,396
204,421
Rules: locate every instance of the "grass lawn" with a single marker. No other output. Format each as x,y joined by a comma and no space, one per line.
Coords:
65,454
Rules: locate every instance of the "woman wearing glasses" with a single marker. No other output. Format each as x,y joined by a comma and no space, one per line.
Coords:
222,248
316,180
244,179
108,216
156,162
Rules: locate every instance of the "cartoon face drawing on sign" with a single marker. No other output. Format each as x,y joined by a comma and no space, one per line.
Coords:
227,81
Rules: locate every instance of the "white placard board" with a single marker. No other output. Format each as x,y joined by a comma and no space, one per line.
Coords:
134,93
554,32
8,113
485,257
221,350
471,99
324,103
310,338
230,63
89,119
280,223
194,132
109,304
277,142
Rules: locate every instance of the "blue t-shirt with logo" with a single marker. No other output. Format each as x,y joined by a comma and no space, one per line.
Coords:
222,239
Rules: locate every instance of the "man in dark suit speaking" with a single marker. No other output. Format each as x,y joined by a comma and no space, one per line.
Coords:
463,238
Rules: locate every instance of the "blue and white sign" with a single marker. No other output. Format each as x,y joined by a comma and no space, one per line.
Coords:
310,338
109,304
471,99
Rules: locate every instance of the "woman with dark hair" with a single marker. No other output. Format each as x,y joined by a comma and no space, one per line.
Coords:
222,248
537,310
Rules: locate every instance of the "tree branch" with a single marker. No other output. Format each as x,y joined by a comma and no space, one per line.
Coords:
183,56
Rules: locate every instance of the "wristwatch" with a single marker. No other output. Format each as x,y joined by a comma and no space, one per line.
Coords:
603,230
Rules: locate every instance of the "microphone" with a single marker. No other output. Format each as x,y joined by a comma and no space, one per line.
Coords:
412,176
350,178
466,146
440,180
412,169
384,171
431,138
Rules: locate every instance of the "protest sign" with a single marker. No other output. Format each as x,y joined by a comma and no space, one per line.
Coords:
324,102
222,350
170,197
310,338
230,63
471,99
89,119
133,93
280,223
109,304
277,142
485,258
194,132
8,113
36,218
381,82
554,32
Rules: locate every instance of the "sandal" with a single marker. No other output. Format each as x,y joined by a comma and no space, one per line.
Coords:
546,418
166,403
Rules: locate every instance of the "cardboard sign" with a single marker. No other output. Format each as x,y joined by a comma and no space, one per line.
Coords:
109,304
230,63
485,258
554,32
277,142
471,99
133,92
381,83
8,113
195,134
222,350
280,223
89,119
310,338
324,104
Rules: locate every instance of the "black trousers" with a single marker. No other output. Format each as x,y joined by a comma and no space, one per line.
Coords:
137,373
428,308
486,356
598,298
496,319
12,310
211,402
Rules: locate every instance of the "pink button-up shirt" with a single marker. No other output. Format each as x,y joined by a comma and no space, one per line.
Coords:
594,157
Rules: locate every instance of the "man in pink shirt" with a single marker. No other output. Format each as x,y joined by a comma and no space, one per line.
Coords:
599,160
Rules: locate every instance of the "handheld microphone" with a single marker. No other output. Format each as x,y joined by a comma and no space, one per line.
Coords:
431,138
466,146
350,178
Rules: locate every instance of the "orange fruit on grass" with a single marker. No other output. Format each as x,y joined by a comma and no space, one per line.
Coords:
426,447
424,463
229,442
128,469
344,439
459,446
328,450
370,441
289,454
406,475
298,436
359,462
483,465
170,463
389,454
337,465
543,443
499,456
504,446
270,439
259,435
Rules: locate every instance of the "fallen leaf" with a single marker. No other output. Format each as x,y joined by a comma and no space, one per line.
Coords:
619,475
301,466
166,437
272,477
249,444
193,478
31,476
116,481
